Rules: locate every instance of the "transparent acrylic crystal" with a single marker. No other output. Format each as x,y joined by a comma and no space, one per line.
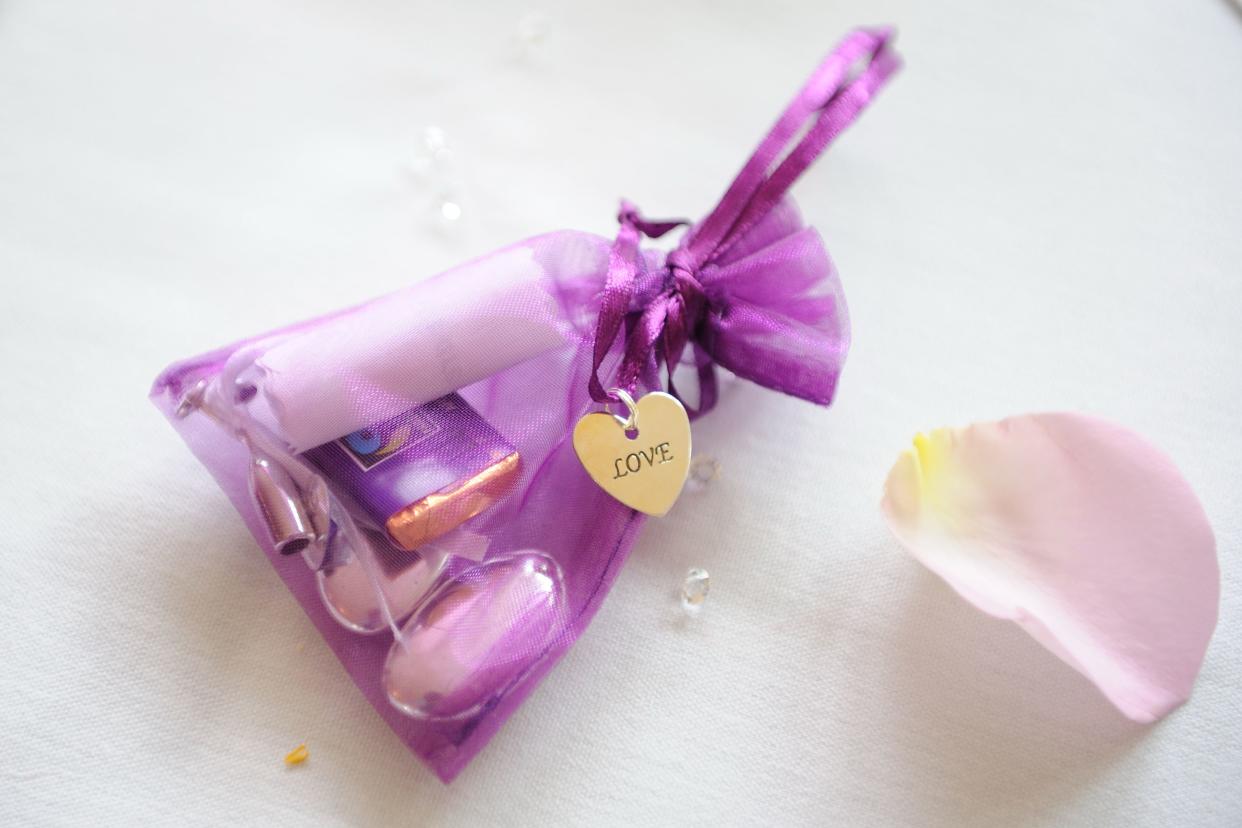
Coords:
703,470
437,180
694,590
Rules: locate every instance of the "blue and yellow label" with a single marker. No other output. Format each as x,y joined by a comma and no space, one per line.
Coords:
370,446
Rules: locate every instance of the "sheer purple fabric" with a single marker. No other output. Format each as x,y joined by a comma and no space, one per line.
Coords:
447,613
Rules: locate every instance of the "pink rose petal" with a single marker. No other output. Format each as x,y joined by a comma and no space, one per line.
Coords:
1078,530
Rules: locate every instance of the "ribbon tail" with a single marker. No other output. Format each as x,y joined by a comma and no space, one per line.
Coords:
618,289
705,369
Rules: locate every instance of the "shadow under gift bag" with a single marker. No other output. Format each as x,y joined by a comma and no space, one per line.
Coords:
408,465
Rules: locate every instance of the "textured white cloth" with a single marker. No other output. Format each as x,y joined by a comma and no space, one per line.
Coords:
1042,212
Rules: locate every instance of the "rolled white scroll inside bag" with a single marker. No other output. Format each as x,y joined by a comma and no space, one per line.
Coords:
407,348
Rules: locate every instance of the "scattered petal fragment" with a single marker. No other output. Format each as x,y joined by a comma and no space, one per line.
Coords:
297,756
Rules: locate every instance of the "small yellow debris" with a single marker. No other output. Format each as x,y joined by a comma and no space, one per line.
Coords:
297,756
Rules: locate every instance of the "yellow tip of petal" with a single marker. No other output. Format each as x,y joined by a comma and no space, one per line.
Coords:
931,452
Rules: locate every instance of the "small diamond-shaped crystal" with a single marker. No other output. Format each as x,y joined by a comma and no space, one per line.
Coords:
694,590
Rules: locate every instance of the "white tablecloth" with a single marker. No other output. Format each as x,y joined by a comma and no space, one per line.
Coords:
1044,211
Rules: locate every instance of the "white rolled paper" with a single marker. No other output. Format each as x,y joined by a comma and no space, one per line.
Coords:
408,347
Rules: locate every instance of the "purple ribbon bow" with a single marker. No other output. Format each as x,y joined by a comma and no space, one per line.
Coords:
750,288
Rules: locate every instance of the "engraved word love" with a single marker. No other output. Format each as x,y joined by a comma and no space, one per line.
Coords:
634,460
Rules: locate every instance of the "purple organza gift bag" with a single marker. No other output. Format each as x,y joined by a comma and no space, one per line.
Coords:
408,466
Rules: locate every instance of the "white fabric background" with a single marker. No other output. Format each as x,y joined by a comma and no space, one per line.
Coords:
1042,212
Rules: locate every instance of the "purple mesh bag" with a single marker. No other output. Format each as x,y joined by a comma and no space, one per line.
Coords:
407,464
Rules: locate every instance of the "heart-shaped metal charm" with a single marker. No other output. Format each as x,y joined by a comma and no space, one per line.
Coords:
642,459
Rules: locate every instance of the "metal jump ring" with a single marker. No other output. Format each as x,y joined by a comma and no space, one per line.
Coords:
629,423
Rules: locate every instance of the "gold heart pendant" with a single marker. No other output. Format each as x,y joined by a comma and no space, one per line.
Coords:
644,471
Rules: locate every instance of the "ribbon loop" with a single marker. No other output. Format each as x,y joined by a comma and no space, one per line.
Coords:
791,337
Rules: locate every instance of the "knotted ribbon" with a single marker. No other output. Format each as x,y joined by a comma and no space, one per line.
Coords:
749,288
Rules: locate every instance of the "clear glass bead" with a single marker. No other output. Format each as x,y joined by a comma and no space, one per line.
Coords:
432,158
703,470
694,590
434,140
436,178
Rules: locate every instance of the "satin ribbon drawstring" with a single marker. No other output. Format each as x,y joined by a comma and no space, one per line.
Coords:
691,308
